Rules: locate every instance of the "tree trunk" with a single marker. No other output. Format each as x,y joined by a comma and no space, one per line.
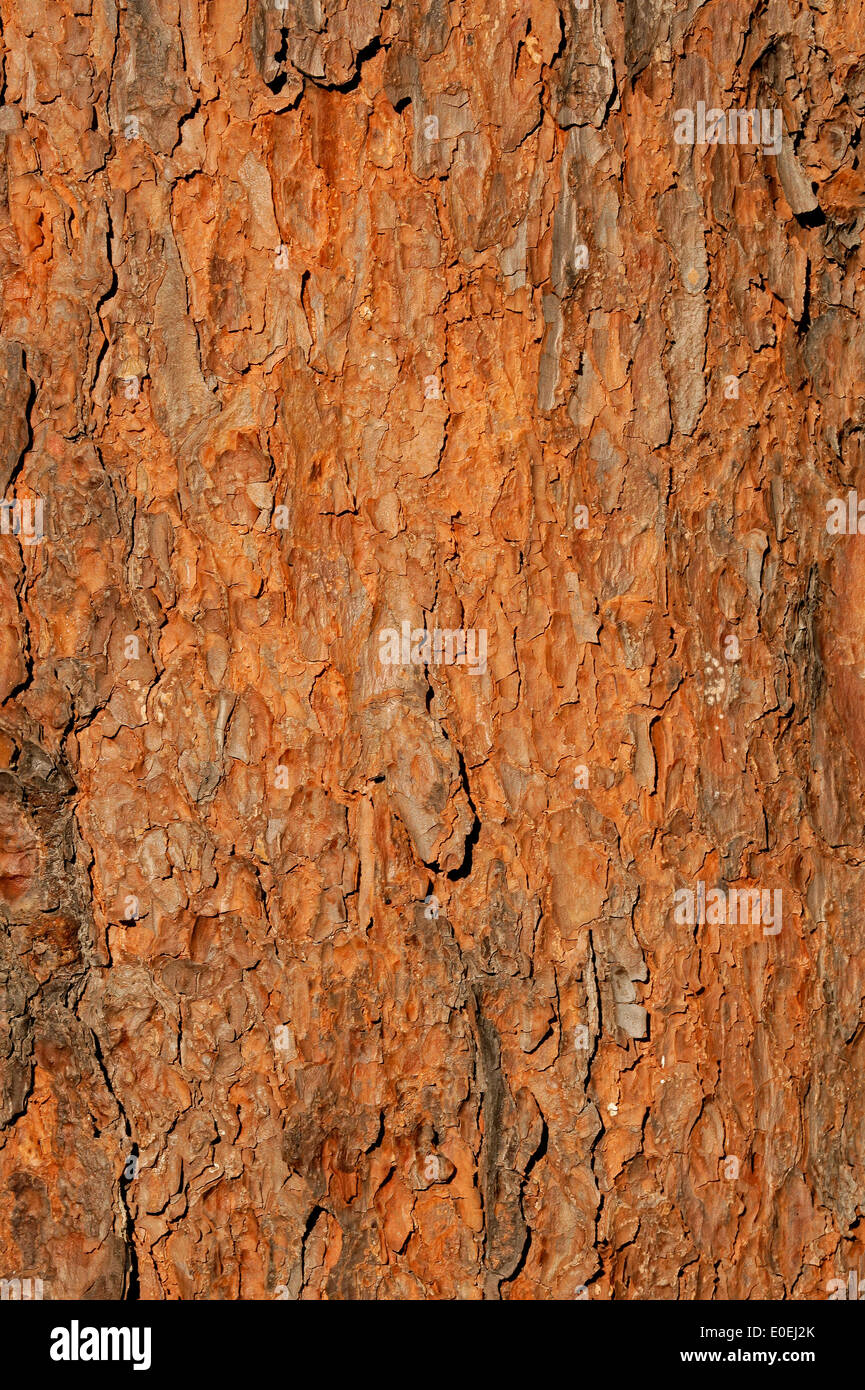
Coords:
433,672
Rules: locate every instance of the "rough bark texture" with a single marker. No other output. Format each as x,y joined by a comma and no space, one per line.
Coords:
327,979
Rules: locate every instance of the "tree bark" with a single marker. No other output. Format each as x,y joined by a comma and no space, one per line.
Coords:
337,961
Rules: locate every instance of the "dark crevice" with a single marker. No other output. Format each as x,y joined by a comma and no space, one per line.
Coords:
311,1221
377,1142
563,42
492,1103
363,55
805,321
280,57
183,120
131,1282
815,218
536,1157
473,836
277,83
28,422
